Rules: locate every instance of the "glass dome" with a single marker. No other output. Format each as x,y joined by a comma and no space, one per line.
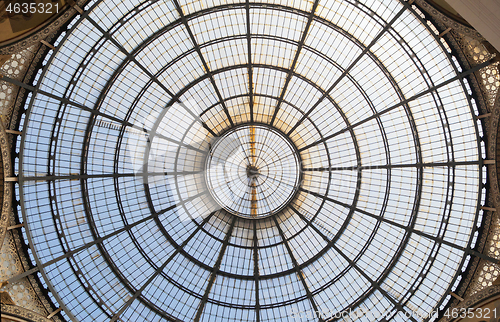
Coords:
251,161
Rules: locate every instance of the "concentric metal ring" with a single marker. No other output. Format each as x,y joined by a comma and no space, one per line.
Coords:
253,171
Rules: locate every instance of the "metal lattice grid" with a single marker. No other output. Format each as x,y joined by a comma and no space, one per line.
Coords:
378,200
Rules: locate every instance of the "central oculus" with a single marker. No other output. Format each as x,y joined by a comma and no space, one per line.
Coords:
253,171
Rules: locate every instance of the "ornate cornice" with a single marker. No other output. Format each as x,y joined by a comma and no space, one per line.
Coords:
450,23
8,186
22,67
46,31
477,300
22,313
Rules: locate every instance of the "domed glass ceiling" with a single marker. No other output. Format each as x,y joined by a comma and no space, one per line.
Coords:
250,161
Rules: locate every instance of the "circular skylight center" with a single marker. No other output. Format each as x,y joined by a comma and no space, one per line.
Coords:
253,171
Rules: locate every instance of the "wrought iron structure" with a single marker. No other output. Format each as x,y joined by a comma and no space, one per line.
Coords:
119,162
